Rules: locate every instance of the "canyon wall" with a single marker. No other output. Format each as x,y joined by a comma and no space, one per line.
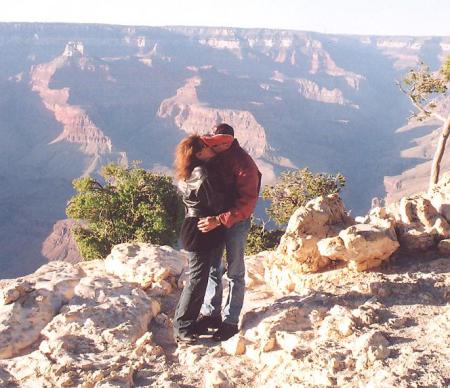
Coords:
75,97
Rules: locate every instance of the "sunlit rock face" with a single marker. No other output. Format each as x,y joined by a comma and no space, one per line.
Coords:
75,97
322,232
60,245
105,323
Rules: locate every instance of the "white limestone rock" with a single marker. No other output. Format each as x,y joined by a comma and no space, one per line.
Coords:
280,278
370,347
145,264
288,341
91,339
13,290
367,246
339,323
254,269
22,320
420,226
279,326
235,346
333,248
320,218
217,379
368,313
440,196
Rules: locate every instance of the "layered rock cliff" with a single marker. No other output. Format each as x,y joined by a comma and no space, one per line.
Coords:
78,128
77,96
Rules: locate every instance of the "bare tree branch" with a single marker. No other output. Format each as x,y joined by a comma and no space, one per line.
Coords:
420,107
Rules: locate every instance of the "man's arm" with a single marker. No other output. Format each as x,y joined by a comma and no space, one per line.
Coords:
247,184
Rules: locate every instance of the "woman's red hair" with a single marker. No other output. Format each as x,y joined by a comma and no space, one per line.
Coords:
185,159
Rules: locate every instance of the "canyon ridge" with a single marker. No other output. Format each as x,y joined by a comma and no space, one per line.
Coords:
75,97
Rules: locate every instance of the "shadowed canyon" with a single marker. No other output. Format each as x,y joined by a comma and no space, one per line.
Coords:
74,97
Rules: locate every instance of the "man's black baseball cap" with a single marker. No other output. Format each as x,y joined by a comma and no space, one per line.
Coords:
224,129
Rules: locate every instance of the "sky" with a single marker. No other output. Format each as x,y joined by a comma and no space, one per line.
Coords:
365,17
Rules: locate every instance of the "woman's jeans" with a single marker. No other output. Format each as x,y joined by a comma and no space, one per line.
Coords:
235,241
191,298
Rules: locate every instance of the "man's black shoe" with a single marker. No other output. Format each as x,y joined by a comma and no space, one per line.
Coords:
186,338
206,322
225,332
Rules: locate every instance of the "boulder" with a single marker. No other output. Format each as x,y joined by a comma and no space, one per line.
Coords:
286,322
333,248
33,301
420,226
370,347
440,196
382,217
367,246
146,264
254,269
21,322
339,323
323,231
320,218
92,339
13,290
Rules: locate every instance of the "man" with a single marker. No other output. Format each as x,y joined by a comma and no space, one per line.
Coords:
242,181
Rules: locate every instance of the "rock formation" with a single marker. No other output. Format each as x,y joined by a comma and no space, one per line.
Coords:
108,323
306,320
322,231
416,178
313,91
60,245
77,126
85,324
192,116
73,95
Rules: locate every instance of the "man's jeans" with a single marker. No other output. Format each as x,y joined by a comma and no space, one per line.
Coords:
191,298
235,240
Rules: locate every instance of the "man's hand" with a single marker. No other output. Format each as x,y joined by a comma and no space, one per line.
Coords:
208,223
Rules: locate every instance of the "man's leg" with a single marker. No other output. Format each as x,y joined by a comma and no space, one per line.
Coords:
212,304
235,240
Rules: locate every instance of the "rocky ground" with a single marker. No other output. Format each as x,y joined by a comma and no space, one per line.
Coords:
378,329
341,302
106,324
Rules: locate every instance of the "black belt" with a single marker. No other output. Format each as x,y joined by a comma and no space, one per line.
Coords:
191,212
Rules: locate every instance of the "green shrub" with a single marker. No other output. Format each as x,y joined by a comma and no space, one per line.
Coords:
132,205
260,239
296,188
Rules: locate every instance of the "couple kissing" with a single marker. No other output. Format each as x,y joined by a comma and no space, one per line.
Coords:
219,183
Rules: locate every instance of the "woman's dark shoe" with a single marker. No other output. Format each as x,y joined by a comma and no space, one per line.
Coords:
225,332
186,338
206,322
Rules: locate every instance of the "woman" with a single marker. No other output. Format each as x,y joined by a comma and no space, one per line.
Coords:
202,197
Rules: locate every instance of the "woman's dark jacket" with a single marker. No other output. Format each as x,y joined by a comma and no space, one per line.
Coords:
202,197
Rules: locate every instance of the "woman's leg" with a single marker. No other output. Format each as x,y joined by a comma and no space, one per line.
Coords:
191,298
